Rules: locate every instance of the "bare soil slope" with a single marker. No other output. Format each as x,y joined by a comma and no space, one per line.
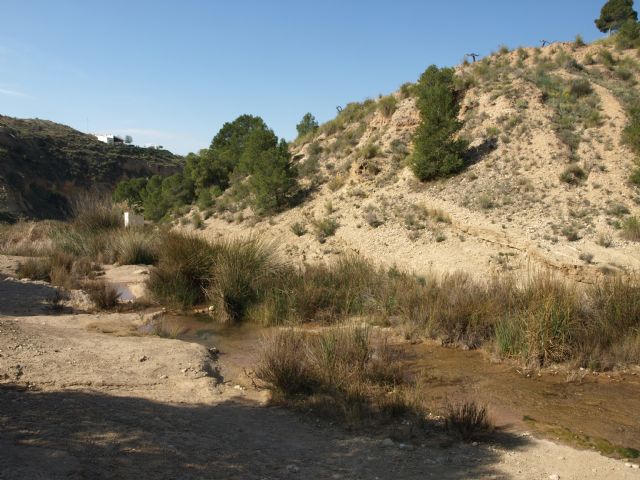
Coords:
510,209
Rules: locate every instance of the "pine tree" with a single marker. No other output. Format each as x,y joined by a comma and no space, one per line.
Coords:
614,14
437,153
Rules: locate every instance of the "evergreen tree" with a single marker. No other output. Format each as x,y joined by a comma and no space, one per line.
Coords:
273,181
437,153
614,14
307,125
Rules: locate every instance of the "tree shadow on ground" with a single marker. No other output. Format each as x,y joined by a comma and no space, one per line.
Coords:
76,435
26,298
475,154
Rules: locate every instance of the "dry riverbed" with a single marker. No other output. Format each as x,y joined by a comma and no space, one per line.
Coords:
91,396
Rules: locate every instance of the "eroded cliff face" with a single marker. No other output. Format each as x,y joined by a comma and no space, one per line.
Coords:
43,165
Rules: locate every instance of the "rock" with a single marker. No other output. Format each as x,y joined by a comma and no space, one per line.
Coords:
387,442
293,468
554,476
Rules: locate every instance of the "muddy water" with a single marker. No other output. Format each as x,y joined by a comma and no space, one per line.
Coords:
598,406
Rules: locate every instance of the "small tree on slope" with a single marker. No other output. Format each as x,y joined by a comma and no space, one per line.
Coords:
614,14
437,153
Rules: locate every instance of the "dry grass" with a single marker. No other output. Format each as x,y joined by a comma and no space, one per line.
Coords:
468,420
340,373
134,247
184,270
103,295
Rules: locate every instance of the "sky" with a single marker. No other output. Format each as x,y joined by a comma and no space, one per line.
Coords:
172,72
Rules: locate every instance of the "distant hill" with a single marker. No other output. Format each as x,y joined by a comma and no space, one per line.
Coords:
43,165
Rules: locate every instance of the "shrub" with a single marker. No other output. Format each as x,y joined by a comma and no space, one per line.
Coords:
604,240
298,229
35,269
283,364
571,233
387,105
485,201
338,372
372,217
580,87
467,419
629,35
196,221
134,247
371,150
437,153
631,229
184,269
103,295
325,227
244,274
94,215
574,174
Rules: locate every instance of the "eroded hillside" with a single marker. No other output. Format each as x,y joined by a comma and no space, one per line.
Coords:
547,181
43,164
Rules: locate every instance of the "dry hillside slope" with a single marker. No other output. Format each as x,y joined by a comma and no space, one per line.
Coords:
546,186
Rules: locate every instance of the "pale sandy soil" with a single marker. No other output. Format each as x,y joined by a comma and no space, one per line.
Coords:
520,232
77,402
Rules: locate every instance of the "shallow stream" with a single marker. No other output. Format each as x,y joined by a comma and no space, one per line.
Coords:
582,408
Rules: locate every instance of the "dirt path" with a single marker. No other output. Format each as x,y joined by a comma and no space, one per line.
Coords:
76,402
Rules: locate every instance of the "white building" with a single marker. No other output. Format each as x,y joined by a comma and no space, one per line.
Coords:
109,139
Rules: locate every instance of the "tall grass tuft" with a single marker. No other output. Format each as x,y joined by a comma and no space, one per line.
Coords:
245,273
340,371
185,262
134,247
467,419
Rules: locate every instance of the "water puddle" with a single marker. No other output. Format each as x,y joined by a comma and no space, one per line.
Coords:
125,293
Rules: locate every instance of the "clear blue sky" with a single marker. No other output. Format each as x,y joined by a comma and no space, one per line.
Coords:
172,72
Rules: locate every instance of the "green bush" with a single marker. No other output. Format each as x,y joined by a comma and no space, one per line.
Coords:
185,262
325,227
631,229
437,153
629,35
574,174
298,229
387,105
134,247
245,272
